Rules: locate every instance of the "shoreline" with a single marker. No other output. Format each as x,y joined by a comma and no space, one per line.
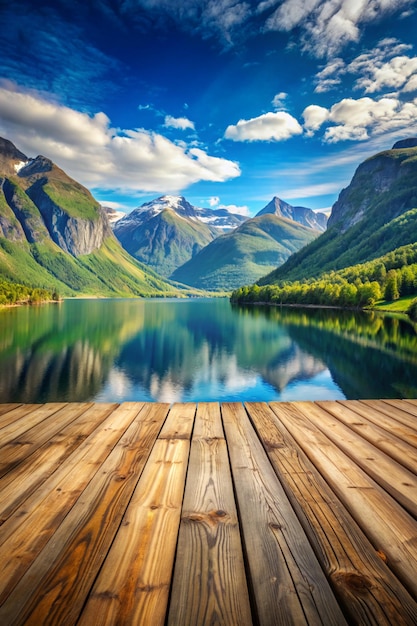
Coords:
324,306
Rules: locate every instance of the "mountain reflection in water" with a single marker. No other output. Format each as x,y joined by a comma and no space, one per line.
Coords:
201,350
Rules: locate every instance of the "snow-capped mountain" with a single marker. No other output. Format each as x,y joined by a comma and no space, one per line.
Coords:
220,218
165,233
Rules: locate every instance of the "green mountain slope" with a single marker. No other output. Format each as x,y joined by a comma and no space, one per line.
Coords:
164,239
375,214
244,255
53,234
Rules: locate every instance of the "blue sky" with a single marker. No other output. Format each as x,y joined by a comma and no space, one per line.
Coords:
227,102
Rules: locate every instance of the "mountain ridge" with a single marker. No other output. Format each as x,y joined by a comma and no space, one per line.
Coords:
164,233
53,233
375,214
302,215
259,243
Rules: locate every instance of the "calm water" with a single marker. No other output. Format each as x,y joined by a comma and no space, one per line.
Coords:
196,350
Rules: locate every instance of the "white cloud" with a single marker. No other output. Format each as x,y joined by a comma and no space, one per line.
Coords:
411,84
178,122
233,208
330,24
98,156
360,119
279,100
395,73
314,117
330,76
214,201
385,66
267,127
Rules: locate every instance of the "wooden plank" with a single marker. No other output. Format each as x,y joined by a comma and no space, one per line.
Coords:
17,485
55,587
209,584
15,412
407,404
398,449
26,533
25,417
365,586
391,530
394,411
134,582
394,478
382,420
6,407
179,422
208,424
288,584
20,447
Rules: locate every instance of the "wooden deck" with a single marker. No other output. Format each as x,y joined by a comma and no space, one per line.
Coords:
265,514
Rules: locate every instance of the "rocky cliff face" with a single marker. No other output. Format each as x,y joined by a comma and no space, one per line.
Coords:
385,185
73,234
39,201
374,215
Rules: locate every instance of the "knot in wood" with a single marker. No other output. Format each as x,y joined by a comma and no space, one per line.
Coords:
357,583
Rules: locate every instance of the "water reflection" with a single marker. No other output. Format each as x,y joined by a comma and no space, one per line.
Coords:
116,350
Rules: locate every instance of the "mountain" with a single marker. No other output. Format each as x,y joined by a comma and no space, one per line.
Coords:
374,215
307,217
165,233
244,255
112,214
54,234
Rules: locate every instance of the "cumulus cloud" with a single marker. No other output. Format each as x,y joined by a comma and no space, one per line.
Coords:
328,25
385,66
99,156
178,122
314,116
278,100
360,119
267,127
214,201
394,74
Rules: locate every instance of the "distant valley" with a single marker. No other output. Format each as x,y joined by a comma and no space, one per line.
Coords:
215,250
54,234
369,250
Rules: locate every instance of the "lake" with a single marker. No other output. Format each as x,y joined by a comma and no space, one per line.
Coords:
201,350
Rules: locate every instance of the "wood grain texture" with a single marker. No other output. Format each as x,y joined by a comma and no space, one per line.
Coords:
20,447
33,469
24,418
24,534
365,586
133,584
5,408
397,480
383,420
179,423
66,568
289,586
391,530
209,580
399,410
208,514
